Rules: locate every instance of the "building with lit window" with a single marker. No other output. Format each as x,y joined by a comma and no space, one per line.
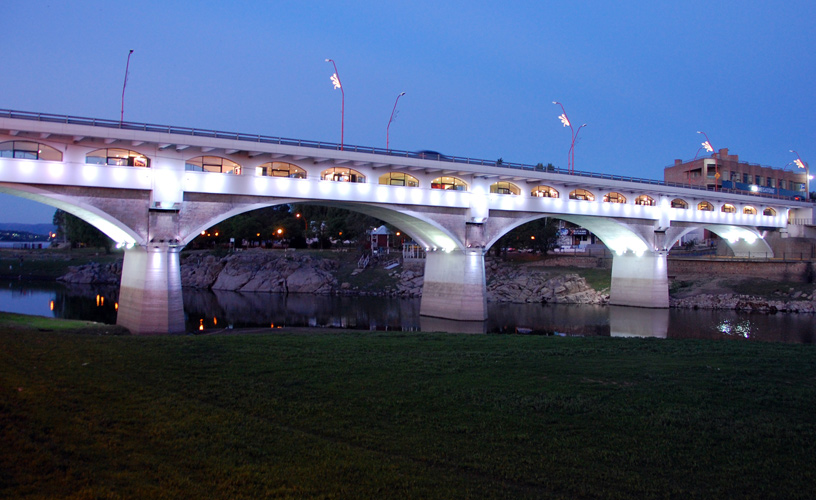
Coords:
726,171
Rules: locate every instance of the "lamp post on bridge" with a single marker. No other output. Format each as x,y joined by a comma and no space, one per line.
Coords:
801,164
566,122
335,79
122,112
387,147
708,147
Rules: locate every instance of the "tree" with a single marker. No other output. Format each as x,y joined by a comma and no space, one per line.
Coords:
79,232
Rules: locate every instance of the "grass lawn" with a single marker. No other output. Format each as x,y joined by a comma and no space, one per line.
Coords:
323,414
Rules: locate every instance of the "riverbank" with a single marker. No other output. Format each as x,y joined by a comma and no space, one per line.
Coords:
516,278
317,414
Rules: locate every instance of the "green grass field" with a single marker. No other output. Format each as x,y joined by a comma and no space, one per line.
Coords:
322,414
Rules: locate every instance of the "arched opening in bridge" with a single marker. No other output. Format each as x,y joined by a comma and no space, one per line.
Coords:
645,200
769,212
543,191
679,203
705,206
342,174
399,179
749,210
118,157
728,208
502,187
581,194
29,150
215,164
280,169
448,182
614,197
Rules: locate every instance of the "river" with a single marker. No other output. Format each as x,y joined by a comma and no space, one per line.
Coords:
208,311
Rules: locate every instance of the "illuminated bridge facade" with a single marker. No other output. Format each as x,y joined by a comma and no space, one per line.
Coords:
153,189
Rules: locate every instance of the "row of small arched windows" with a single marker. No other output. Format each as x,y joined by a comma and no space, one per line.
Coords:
124,157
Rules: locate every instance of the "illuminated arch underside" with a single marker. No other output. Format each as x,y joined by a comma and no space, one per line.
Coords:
117,231
423,230
616,236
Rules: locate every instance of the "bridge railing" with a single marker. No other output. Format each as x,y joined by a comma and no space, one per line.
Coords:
216,134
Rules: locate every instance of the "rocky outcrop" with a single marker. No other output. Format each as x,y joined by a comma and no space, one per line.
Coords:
525,284
93,273
290,272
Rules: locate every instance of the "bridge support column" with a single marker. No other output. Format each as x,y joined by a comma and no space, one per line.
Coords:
639,281
150,293
454,286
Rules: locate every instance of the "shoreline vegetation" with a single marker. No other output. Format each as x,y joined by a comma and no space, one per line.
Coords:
310,413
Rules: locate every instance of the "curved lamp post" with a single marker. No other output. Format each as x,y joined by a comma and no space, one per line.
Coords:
127,67
335,79
566,122
387,129
708,147
801,164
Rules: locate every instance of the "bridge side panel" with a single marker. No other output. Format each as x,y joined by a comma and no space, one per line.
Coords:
150,299
455,286
639,281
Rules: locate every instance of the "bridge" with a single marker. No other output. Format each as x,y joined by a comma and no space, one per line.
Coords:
154,188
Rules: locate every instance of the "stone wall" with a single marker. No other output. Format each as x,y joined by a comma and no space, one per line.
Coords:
794,271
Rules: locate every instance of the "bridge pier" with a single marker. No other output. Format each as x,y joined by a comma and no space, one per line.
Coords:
639,281
150,293
455,286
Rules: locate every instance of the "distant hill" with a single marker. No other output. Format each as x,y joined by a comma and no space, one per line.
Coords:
41,229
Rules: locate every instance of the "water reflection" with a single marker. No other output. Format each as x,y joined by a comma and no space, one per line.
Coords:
207,310
638,322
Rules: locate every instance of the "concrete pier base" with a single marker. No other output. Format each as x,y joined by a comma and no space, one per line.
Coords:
454,286
150,293
639,281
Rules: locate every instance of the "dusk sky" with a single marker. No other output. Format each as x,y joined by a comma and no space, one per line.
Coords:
479,77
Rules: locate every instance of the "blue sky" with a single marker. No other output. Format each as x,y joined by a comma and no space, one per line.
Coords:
479,77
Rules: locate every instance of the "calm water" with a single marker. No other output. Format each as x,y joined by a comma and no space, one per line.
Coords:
215,310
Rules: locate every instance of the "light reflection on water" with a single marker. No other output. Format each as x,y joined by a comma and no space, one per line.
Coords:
211,310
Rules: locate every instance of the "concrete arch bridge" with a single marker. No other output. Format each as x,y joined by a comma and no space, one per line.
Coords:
154,188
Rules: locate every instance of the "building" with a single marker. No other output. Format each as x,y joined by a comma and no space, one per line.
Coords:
725,171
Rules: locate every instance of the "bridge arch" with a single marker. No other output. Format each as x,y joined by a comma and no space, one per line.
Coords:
120,233
422,228
618,237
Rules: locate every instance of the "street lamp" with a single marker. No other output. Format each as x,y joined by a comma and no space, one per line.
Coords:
708,147
305,224
387,148
801,164
566,122
122,113
335,79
